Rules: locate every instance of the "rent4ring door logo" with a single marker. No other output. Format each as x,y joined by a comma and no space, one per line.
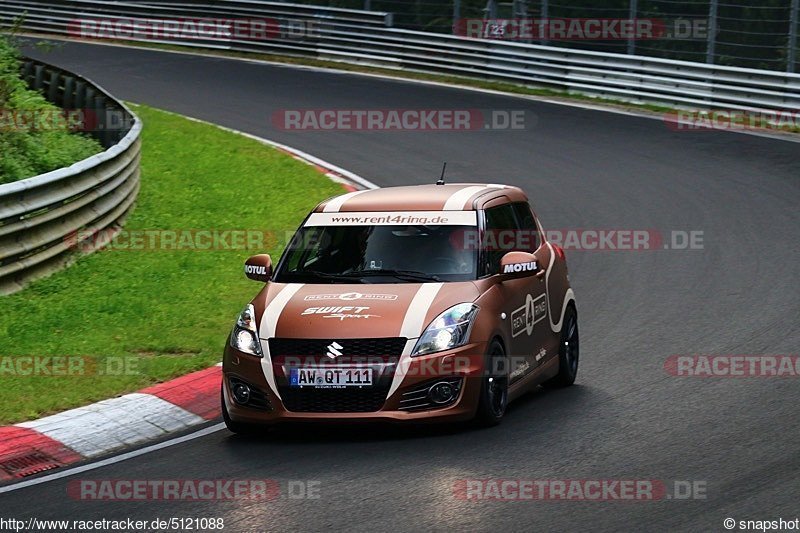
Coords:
525,317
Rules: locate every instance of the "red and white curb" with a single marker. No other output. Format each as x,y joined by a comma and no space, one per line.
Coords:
97,429
132,419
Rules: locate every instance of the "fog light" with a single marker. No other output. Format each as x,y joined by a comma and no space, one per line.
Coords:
241,393
442,392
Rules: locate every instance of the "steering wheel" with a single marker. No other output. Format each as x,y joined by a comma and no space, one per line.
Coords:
443,264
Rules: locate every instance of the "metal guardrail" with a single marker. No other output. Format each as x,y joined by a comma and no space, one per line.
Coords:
40,216
365,37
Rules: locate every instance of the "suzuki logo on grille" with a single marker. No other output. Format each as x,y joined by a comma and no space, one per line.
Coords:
334,350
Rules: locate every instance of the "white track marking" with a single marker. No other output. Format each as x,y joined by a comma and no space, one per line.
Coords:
105,426
113,460
267,329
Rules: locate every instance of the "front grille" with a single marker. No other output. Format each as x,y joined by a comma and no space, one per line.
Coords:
417,399
258,398
380,354
380,347
349,400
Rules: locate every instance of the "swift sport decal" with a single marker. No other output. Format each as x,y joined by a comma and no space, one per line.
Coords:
340,311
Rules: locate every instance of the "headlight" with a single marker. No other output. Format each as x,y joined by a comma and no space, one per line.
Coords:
244,336
448,330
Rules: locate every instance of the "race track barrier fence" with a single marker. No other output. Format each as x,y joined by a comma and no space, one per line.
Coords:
41,216
367,38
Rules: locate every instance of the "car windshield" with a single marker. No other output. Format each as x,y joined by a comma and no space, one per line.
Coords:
379,254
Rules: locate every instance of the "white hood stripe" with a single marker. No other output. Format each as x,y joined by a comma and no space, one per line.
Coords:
412,327
335,204
417,309
266,329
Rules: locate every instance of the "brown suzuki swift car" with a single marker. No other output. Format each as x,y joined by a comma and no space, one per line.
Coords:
418,303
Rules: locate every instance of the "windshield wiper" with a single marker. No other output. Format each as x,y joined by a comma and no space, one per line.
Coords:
318,274
407,275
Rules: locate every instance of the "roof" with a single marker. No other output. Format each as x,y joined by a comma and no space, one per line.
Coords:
450,197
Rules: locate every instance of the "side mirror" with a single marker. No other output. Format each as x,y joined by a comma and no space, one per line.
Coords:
515,265
258,268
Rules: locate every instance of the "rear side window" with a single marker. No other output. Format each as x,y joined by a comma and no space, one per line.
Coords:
528,238
500,224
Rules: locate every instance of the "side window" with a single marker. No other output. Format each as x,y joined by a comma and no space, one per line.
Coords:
528,238
500,223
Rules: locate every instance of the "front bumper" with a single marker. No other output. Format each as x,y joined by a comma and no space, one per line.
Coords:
463,366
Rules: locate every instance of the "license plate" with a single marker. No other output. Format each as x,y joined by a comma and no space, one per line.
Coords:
322,377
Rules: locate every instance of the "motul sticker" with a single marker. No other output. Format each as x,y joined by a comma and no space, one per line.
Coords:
530,266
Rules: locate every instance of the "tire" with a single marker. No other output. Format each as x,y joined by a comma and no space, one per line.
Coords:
494,388
568,352
240,428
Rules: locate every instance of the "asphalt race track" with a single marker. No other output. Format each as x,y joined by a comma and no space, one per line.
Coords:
626,418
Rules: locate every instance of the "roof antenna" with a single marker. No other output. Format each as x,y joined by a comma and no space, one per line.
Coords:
441,179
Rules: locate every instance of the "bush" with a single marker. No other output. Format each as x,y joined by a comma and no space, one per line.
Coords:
25,150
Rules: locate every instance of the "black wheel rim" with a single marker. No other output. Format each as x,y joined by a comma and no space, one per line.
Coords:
497,390
572,344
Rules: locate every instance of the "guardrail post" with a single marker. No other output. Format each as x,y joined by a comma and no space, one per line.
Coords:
27,71
52,89
545,11
80,95
69,92
104,133
791,56
38,78
490,11
632,10
456,11
712,31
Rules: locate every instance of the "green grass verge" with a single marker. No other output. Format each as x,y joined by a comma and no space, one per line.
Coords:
164,312
27,147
